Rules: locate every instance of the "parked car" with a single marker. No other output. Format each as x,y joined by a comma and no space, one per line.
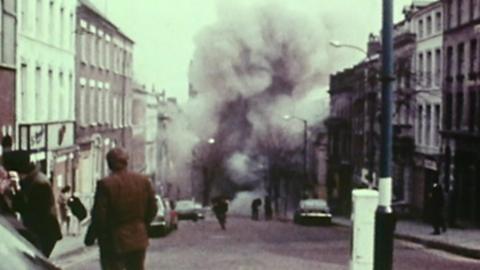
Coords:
189,210
165,220
18,253
313,211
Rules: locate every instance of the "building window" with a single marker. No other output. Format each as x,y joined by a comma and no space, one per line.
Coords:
24,15
420,125
62,28
472,8
460,11
429,25
448,113
70,98
449,63
420,69
438,66
473,55
436,134
61,92
101,54
38,18
24,91
81,105
38,94
420,29
438,22
98,105
107,53
92,49
51,94
51,24
7,32
72,27
449,15
459,110
461,58
428,124
428,71
108,105
472,104
114,112
83,47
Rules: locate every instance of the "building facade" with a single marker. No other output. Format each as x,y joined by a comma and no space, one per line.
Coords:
461,111
8,28
427,24
45,99
103,93
339,132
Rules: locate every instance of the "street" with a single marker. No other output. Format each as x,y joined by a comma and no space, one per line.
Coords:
248,244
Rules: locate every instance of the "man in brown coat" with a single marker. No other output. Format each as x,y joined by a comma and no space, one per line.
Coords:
123,208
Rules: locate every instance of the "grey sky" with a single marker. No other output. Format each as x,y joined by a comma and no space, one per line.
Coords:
164,30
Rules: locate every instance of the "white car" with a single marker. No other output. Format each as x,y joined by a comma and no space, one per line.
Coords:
189,210
166,218
313,211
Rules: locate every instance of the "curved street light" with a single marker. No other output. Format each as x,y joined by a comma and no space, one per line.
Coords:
338,44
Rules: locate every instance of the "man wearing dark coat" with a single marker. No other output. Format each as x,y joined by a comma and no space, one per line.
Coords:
36,204
123,208
220,209
437,204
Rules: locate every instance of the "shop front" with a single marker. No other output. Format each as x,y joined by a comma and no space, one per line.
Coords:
52,148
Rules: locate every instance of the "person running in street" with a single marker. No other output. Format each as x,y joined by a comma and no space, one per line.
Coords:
124,206
220,209
65,214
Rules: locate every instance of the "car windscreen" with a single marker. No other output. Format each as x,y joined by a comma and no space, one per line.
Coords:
185,205
17,253
313,205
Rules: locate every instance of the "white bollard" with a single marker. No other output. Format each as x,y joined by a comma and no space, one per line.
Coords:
365,202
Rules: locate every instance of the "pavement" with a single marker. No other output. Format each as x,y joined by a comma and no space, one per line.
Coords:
464,242
70,246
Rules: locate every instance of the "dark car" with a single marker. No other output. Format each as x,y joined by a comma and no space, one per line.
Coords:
313,211
189,210
18,253
165,220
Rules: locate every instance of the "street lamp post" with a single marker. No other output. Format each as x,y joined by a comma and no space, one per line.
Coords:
210,141
384,217
305,129
371,143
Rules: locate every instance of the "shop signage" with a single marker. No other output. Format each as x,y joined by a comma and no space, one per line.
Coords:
60,135
430,164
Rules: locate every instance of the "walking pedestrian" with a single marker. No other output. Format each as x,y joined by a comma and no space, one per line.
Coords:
255,205
63,208
124,206
437,204
78,210
35,201
220,209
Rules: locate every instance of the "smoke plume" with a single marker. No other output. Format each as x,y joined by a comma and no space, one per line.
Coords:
258,63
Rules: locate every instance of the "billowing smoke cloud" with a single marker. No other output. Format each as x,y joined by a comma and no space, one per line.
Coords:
256,64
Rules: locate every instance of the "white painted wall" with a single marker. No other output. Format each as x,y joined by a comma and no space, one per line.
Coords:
45,45
431,94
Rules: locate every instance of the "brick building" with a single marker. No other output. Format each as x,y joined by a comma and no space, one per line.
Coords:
8,29
103,93
461,111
